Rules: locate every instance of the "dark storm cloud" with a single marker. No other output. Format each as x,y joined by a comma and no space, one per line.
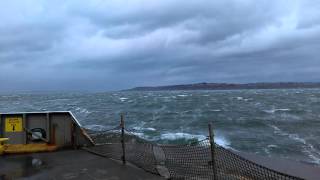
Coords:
103,45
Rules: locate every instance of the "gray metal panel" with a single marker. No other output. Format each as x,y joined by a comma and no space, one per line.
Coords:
68,129
25,125
37,121
83,140
62,123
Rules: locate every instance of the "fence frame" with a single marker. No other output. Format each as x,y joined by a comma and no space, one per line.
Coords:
212,150
123,145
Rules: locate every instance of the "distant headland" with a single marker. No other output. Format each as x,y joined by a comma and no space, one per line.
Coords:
229,86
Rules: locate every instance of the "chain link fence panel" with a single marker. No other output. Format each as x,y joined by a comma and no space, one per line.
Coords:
181,162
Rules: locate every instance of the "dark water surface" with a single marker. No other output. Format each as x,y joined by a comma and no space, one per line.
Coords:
277,123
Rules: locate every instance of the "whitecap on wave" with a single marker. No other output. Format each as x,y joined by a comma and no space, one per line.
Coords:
182,95
123,99
175,136
141,135
272,146
308,148
144,129
82,110
95,127
215,110
272,111
243,99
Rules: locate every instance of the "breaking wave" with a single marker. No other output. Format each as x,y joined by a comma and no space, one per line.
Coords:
186,136
308,148
182,95
137,128
95,127
123,99
272,111
82,110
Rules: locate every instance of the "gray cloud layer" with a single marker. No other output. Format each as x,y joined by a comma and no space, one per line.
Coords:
106,45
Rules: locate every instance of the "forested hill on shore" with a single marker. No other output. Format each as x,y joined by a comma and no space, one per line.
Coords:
229,86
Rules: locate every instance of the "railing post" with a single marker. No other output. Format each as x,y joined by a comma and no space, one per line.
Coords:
212,146
122,140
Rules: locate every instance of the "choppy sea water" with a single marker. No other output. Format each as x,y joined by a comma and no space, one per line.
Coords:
275,123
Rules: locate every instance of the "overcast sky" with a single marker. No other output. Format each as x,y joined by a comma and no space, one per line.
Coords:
108,45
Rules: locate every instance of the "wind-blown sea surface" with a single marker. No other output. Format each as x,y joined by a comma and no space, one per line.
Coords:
276,123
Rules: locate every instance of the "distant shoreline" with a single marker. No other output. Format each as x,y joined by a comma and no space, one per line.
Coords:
228,86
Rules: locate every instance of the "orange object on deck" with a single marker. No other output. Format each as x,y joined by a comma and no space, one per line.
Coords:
1,144
27,148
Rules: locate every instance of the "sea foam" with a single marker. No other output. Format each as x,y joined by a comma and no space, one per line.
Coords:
144,129
175,136
82,110
271,111
182,95
95,127
308,148
123,99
